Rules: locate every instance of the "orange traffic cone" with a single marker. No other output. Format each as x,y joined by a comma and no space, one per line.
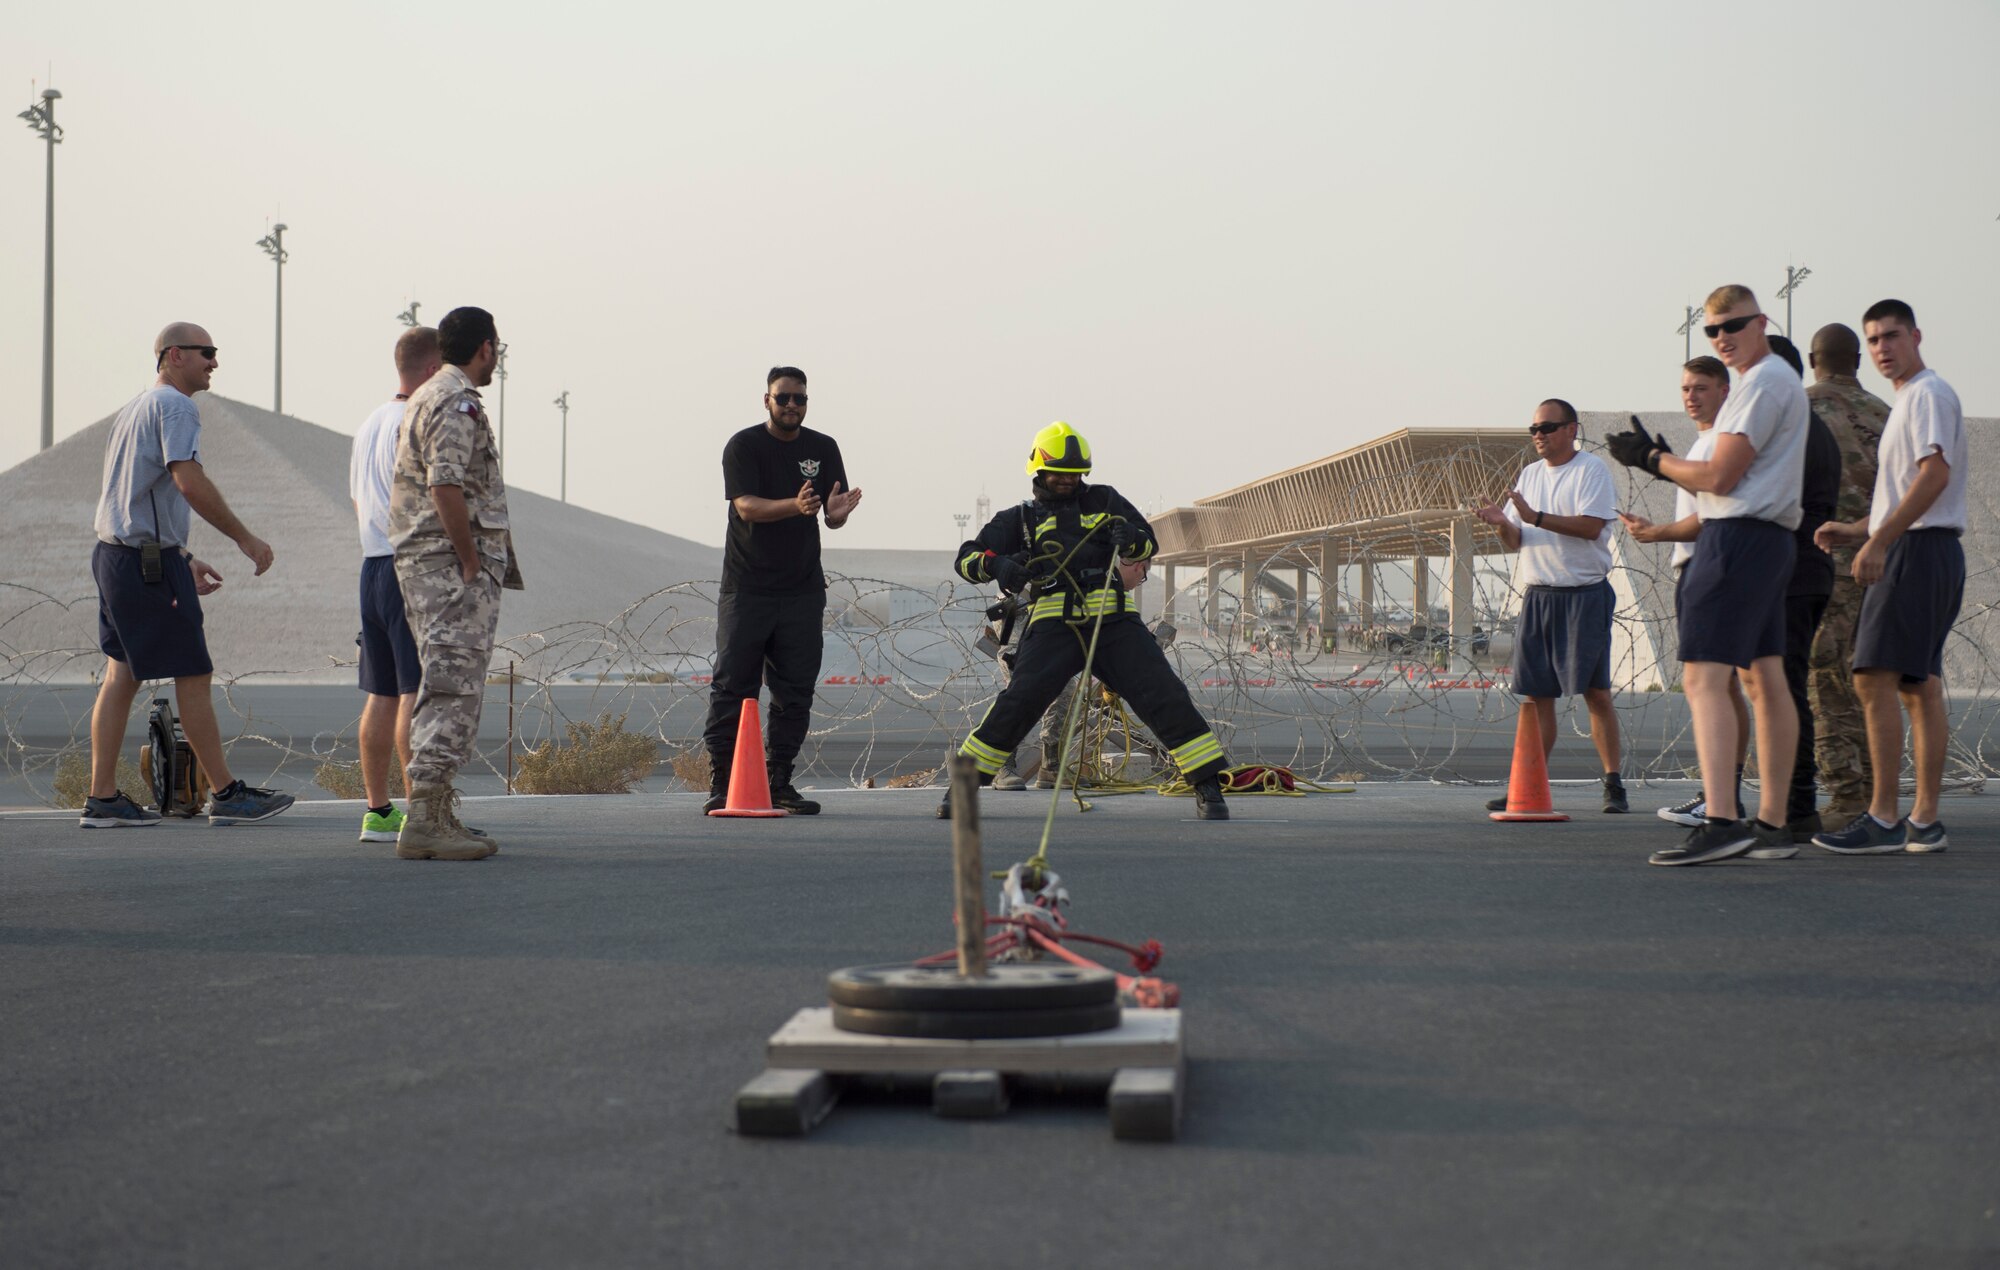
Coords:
1528,796
749,787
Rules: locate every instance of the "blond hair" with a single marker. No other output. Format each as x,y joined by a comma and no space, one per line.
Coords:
1723,299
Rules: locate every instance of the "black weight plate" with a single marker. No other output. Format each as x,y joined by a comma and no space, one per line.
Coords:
161,776
1007,986
978,1025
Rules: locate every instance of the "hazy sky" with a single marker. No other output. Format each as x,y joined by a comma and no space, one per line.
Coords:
1220,240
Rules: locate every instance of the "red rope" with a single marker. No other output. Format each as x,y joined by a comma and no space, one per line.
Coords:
1145,991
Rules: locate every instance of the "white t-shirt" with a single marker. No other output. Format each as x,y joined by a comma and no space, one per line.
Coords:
1580,487
1767,407
370,471
1926,419
1703,447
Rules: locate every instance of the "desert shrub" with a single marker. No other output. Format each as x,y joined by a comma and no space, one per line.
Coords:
694,768
72,783
594,758
342,780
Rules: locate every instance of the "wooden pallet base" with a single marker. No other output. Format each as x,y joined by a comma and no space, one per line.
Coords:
808,1056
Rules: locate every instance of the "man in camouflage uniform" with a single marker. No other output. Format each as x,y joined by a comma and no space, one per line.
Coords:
1856,417
448,525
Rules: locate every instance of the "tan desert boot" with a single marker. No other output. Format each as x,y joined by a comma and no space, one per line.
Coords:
451,809
430,832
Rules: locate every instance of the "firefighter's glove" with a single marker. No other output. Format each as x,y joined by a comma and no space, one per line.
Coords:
1638,448
1121,536
1011,572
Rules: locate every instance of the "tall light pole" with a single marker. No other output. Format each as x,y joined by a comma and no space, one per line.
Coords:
1793,277
408,317
501,370
562,404
963,519
273,244
42,119
1687,333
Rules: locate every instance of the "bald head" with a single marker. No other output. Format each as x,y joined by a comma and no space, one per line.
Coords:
179,333
184,355
1836,350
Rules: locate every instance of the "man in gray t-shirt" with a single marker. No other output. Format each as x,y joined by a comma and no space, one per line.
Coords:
149,586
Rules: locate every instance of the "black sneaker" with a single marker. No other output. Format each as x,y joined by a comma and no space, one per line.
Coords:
1614,795
116,812
718,793
1715,840
1208,803
1863,836
785,798
1497,804
1690,813
1773,842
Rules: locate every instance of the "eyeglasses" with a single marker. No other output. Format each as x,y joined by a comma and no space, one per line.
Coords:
789,398
499,350
1730,327
206,350
1546,429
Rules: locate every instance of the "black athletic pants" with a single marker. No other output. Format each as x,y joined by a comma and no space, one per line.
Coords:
1130,663
765,640
1802,614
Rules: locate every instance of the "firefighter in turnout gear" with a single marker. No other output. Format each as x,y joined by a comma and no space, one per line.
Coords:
1057,553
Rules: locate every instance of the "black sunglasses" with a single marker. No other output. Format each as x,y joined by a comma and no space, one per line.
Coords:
1730,327
789,398
206,350
1544,429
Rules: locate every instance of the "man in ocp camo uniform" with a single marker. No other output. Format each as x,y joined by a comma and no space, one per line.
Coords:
1856,418
448,526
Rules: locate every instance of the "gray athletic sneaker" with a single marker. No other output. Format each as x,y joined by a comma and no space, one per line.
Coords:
1714,840
1774,842
1864,835
242,804
115,812
1928,840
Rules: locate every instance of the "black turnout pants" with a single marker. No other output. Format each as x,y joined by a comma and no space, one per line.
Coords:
760,640
1802,614
1130,663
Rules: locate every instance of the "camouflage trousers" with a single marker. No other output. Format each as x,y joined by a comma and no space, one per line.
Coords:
1841,736
454,626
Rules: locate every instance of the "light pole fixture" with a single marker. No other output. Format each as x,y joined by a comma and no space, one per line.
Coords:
408,317
273,244
42,119
963,519
1687,332
562,404
1793,277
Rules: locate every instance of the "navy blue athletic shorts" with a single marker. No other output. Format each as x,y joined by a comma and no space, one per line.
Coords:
389,665
1732,594
153,627
1562,641
1906,617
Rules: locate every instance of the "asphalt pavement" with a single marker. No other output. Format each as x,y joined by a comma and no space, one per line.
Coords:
1415,1038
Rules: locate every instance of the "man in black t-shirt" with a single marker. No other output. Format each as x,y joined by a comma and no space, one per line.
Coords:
778,477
